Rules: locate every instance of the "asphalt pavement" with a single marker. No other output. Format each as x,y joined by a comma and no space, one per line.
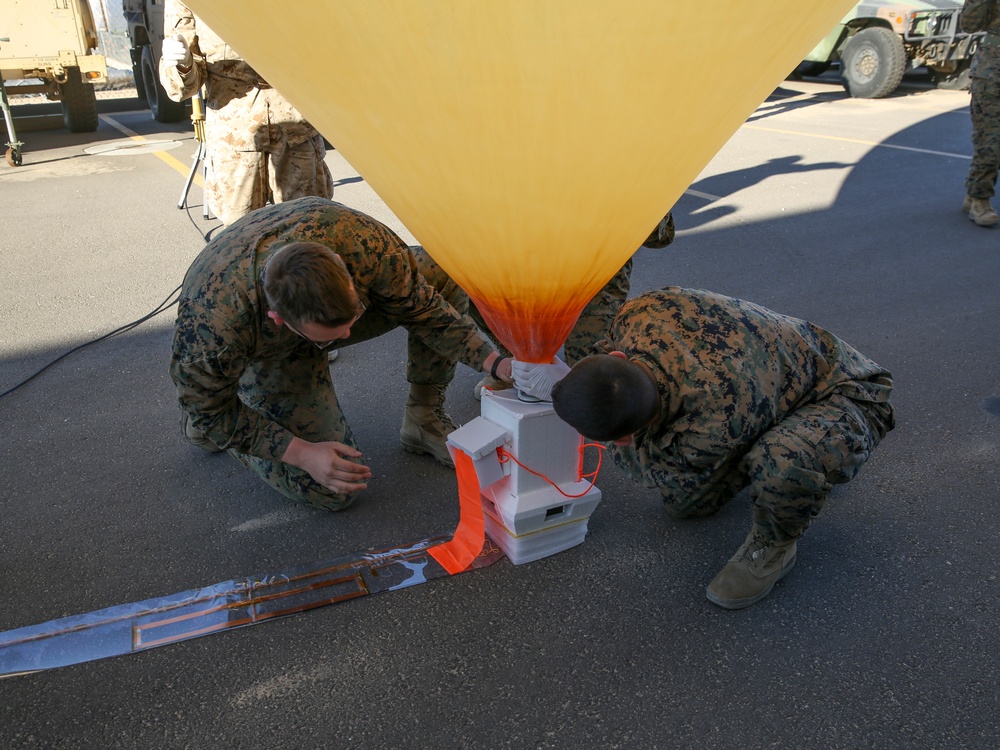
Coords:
845,212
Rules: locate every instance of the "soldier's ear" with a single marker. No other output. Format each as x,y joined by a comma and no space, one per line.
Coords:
278,320
617,354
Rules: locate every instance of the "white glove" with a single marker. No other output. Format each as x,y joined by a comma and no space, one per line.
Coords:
538,380
175,51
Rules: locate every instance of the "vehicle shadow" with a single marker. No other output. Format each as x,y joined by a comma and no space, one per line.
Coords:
784,100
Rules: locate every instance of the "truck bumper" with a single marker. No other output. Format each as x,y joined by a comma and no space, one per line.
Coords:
93,68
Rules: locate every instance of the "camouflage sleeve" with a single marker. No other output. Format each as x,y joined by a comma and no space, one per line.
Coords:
207,360
402,292
179,20
976,15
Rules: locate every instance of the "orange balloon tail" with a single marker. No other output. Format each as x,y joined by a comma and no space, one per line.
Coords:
534,335
467,542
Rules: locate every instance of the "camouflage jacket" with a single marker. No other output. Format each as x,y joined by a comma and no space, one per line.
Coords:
984,15
243,110
727,371
222,321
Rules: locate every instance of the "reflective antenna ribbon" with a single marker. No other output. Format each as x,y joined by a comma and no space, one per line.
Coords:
129,628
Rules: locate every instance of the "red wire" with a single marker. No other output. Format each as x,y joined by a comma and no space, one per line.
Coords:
505,456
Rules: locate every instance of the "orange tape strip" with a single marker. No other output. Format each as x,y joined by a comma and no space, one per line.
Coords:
470,535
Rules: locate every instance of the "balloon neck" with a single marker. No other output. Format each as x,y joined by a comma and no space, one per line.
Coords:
533,336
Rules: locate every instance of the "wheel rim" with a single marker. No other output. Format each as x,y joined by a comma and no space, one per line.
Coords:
866,65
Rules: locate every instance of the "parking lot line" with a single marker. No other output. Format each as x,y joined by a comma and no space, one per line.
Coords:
165,157
966,157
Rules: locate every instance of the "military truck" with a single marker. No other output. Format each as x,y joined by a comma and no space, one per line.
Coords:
145,31
879,40
53,42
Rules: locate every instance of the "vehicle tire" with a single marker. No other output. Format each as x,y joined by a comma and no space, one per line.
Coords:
79,103
873,63
958,80
164,108
13,157
140,83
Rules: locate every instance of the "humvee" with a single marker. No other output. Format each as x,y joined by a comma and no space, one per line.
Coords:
145,31
879,40
53,43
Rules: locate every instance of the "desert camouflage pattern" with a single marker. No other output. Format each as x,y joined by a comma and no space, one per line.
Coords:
248,385
750,398
985,104
260,148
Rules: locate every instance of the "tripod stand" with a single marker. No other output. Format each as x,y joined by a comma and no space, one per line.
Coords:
201,155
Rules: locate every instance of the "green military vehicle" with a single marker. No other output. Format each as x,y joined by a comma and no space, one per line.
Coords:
879,40
145,31
53,42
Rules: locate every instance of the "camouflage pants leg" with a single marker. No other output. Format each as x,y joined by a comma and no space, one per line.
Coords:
598,315
795,464
424,366
595,320
690,495
243,181
298,394
237,182
299,171
985,111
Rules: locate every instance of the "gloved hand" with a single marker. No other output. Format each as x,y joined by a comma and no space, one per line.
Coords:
175,51
538,380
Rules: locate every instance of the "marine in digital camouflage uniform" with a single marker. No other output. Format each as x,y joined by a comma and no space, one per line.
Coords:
260,148
747,398
983,15
248,385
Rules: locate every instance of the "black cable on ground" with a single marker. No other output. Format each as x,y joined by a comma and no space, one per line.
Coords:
163,306
169,302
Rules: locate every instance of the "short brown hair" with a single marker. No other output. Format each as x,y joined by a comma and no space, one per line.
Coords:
306,282
606,398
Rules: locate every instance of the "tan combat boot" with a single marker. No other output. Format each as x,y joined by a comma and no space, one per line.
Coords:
425,425
490,383
981,211
752,572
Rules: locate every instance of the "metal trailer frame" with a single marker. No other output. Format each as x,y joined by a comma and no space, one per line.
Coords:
13,154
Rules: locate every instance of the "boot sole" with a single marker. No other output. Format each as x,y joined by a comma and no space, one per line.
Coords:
986,223
743,603
421,450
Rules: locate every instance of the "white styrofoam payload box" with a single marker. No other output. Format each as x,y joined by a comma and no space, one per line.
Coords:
520,500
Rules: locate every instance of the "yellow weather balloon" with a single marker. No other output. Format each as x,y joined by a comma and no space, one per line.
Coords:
529,145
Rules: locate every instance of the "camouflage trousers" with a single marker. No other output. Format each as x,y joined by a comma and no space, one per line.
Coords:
298,393
596,318
985,111
592,325
242,181
791,469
